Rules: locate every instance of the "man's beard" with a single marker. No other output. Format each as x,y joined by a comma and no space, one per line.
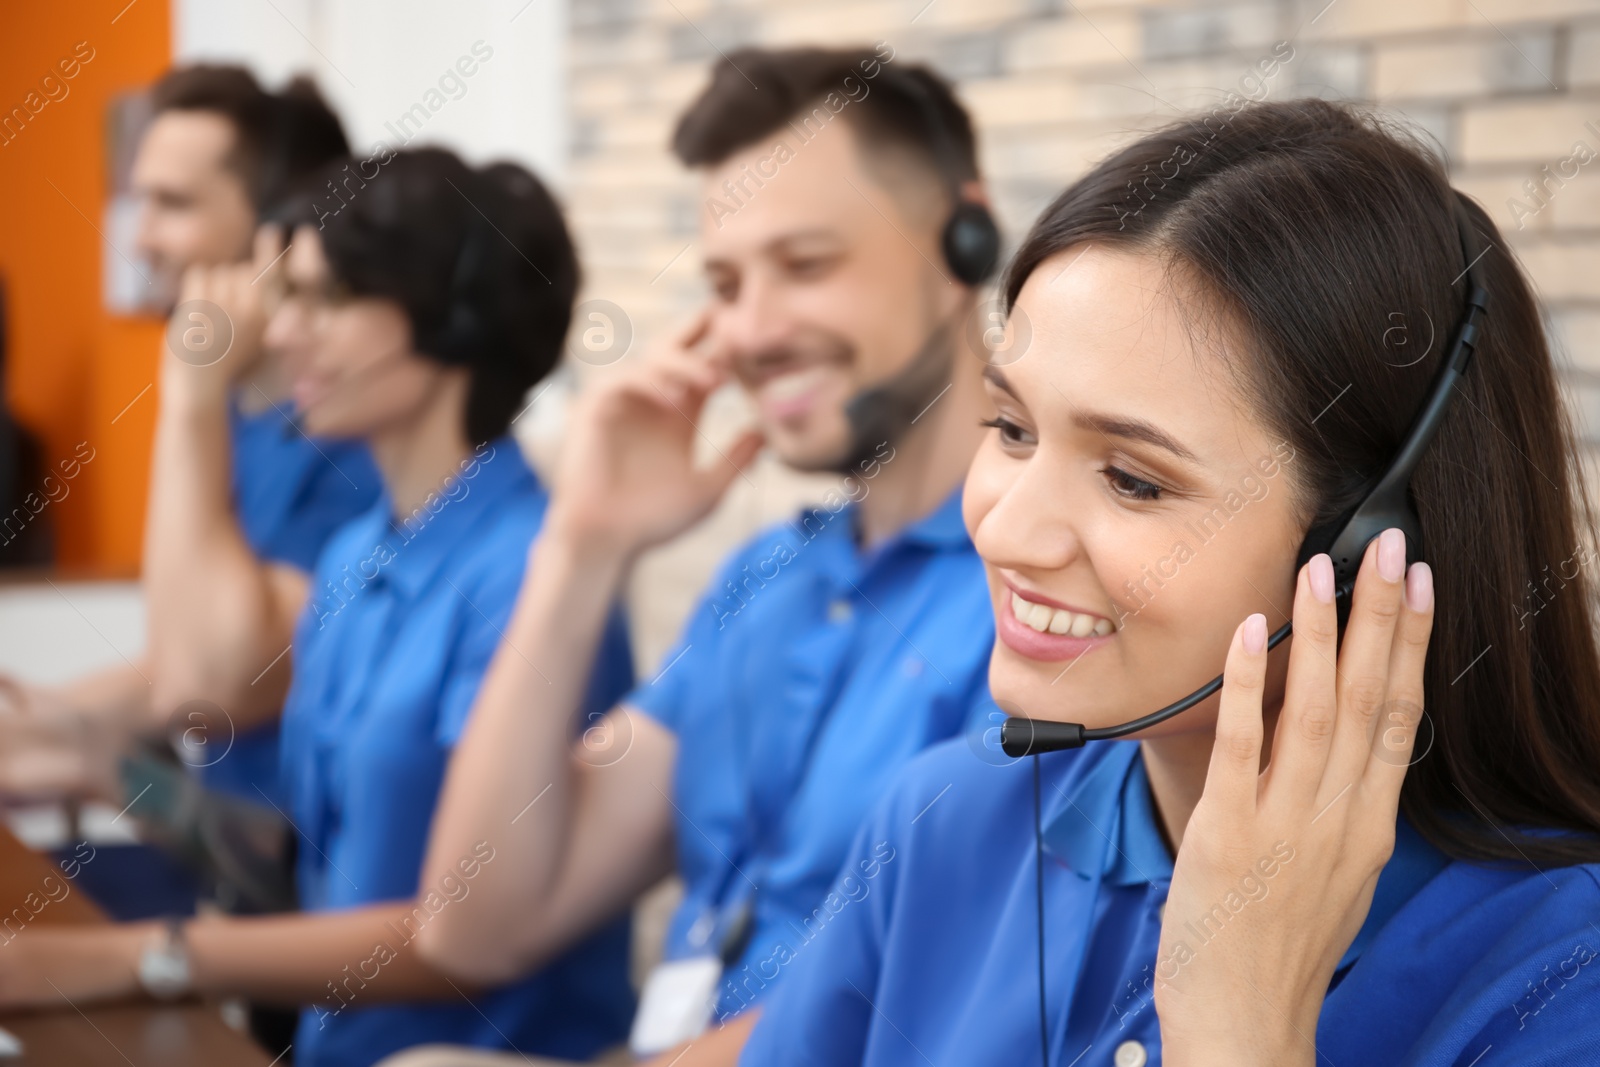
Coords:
884,413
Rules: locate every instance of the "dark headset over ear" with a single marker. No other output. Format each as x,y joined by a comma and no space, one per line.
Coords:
464,333
970,241
970,238
1387,504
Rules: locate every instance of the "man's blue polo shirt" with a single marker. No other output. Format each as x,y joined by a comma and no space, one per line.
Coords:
933,956
809,673
290,494
401,626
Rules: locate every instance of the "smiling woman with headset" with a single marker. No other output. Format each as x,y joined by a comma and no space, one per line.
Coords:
1377,844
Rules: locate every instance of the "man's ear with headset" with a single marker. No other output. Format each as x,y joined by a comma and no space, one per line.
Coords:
971,238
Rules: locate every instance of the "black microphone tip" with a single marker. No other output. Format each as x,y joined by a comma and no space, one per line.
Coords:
1027,737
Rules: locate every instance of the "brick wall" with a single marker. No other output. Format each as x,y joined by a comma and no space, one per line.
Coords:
1507,87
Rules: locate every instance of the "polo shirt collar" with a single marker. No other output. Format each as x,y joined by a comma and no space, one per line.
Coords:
941,528
422,543
1104,824
835,549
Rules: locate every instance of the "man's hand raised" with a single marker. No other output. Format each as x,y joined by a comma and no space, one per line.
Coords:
215,334
628,478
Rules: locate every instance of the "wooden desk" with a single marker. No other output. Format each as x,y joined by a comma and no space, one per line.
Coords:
141,1035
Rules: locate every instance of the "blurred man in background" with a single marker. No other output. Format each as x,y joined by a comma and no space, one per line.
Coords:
241,503
845,239
239,498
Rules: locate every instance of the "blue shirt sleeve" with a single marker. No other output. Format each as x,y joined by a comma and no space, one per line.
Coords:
291,494
613,670
484,622
1530,1000
341,484
690,667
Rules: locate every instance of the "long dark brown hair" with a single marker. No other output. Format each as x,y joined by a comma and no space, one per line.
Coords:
1328,238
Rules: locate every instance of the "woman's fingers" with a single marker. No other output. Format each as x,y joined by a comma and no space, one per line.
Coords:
1398,724
1304,734
1364,658
1236,753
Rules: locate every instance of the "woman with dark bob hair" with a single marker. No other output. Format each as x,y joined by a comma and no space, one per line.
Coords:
1377,843
423,301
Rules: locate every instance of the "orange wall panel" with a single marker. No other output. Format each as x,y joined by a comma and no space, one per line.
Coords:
72,366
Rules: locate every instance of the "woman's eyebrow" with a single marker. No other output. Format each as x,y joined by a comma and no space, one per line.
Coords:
992,375
1132,429
1109,425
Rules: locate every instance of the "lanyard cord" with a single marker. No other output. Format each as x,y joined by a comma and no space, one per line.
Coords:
1038,896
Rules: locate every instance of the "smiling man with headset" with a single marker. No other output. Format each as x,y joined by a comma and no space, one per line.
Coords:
827,651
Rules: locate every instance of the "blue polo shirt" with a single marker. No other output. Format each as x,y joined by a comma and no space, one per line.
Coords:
401,625
809,673
289,494
931,956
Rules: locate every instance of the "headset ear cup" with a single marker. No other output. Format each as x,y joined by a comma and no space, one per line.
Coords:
464,333
971,243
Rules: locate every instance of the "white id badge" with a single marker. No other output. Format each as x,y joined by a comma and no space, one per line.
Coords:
676,1004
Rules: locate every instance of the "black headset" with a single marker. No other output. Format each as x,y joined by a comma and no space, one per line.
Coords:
464,333
1387,504
970,238
970,241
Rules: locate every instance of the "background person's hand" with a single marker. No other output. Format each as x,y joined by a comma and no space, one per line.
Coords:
209,349
19,697
628,477
52,967
1276,869
50,751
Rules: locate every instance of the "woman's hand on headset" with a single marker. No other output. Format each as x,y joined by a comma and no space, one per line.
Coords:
1277,868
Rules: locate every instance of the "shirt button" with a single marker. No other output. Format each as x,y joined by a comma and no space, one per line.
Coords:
840,611
1130,1054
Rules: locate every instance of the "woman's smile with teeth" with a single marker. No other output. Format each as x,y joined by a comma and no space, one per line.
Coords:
1045,619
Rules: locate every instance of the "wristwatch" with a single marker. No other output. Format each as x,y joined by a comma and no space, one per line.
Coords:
164,963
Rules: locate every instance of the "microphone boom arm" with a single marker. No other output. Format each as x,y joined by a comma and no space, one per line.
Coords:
1021,736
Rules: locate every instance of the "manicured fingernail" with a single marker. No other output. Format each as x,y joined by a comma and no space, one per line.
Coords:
1255,634
1419,587
1391,554
1320,571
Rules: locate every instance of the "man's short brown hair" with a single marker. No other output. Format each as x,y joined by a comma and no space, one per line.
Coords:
755,92
279,138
